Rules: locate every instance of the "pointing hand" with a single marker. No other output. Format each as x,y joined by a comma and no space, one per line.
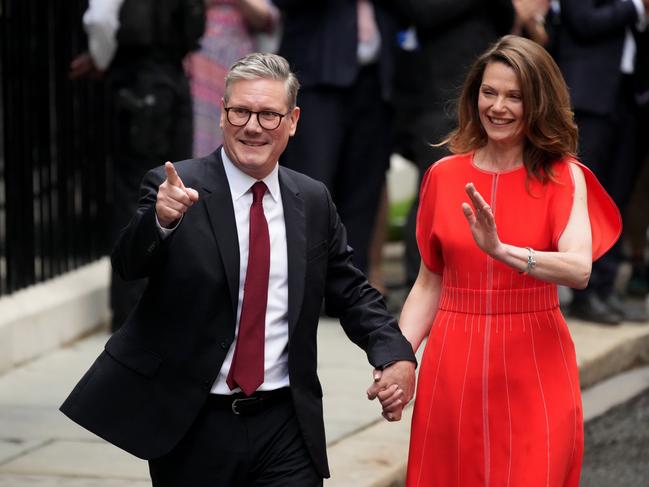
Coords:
174,199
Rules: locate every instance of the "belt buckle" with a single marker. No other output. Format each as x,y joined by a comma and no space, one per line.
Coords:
242,400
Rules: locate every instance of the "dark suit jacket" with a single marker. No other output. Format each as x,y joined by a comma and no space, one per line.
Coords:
320,38
590,45
145,390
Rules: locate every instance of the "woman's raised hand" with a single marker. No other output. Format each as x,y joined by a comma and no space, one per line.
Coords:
482,222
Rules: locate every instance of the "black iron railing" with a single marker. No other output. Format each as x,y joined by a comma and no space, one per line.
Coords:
53,145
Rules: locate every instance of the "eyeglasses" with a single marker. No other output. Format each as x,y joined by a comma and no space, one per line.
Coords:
268,120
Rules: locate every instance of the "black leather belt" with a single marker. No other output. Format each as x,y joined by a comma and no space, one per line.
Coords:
239,403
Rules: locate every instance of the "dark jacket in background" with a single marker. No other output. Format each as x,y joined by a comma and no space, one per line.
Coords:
591,41
320,39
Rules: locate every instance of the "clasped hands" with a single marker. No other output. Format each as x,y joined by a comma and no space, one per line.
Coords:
394,386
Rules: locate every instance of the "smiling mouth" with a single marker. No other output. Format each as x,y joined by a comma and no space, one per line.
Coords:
251,143
499,121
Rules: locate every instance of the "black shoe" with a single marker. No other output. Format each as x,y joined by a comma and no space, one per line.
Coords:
592,308
638,284
627,311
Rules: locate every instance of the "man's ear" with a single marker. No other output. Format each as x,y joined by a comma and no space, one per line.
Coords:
223,114
294,116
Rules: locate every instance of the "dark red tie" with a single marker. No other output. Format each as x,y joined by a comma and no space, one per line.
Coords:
247,369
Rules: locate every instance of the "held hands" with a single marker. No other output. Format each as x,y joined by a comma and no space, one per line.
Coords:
174,199
395,387
482,222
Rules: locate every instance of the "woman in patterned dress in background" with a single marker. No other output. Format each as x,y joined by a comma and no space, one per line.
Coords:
501,222
229,35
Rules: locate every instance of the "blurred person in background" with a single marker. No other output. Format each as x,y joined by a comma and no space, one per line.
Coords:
597,56
531,20
343,53
449,35
498,398
230,31
637,214
140,45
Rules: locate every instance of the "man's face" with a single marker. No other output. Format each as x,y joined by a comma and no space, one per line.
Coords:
252,148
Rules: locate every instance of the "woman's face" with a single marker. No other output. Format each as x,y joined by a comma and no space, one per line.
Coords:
500,104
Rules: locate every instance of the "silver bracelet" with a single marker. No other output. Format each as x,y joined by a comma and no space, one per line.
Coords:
531,261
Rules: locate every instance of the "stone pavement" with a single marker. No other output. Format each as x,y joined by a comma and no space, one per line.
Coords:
40,447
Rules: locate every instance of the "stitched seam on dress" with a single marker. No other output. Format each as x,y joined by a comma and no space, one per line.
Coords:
485,381
432,399
509,410
572,391
459,427
545,407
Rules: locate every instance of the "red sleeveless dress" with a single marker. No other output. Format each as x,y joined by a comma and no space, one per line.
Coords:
498,401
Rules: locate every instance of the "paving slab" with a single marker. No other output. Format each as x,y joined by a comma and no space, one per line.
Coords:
47,481
11,448
607,394
78,459
603,351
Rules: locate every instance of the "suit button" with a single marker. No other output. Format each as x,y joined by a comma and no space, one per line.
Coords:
225,345
206,385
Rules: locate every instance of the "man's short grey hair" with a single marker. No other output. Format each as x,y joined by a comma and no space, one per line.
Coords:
263,66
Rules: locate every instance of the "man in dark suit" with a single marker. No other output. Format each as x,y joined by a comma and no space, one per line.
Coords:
343,53
213,377
596,54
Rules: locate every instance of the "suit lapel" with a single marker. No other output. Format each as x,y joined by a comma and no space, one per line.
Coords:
220,210
294,218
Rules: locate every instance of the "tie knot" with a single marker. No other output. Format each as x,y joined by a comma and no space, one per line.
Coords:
258,191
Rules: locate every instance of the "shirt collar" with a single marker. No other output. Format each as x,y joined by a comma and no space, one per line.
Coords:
240,182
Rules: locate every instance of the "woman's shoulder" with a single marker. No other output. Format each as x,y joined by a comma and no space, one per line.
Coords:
562,170
452,163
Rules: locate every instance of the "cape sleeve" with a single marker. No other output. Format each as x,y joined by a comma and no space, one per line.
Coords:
428,243
605,218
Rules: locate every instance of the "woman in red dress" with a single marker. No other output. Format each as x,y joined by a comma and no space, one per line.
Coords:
501,223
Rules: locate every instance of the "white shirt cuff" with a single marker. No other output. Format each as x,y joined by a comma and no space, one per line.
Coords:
165,232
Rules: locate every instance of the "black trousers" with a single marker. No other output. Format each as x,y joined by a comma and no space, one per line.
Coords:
223,449
344,139
152,124
607,146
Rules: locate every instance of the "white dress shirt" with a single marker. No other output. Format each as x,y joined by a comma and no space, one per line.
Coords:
276,343
101,21
627,64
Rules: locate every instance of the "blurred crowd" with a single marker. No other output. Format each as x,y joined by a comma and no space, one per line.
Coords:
378,77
